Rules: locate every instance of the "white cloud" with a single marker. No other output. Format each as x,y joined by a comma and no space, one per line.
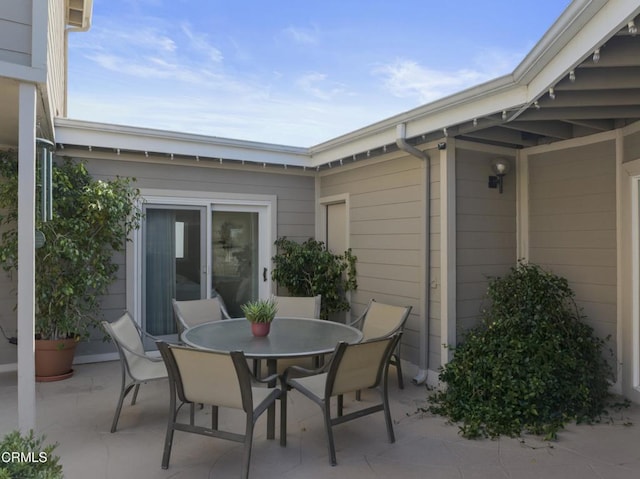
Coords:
406,78
316,84
199,42
303,36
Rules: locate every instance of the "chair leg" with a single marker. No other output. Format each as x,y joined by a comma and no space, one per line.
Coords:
123,393
168,441
248,443
399,370
192,413
283,416
135,394
328,427
341,404
214,417
358,395
387,414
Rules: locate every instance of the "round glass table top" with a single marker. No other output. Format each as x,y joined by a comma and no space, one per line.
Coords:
288,338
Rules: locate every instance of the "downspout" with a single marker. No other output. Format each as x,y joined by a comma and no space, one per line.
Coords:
402,144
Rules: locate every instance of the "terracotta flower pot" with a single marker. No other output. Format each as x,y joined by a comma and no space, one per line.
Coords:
260,329
53,359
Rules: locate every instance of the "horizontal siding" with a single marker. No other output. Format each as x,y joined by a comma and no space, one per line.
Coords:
55,57
485,234
295,206
573,226
386,210
15,31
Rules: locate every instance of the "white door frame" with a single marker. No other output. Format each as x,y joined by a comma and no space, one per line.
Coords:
266,205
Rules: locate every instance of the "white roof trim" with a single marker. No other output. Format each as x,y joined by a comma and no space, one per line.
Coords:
103,135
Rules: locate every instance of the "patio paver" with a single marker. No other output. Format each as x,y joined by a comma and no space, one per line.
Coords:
77,414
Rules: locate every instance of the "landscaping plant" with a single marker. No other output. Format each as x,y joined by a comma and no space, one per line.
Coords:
92,219
532,366
26,457
309,269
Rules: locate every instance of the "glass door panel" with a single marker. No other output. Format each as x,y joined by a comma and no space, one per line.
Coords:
235,257
173,264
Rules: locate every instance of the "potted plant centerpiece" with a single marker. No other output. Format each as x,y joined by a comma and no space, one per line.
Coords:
260,314
91,221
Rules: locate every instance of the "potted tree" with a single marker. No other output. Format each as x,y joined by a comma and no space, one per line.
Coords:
260,314
74,267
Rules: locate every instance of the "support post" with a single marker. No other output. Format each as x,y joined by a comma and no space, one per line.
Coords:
26,256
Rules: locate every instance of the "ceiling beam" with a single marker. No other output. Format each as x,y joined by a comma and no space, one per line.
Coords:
502,135
582,113
554,129
601,79
603,98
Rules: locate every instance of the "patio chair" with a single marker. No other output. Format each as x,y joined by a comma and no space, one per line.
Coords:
296,307
299,306
215,379
353,367
381,320
137,366
197,311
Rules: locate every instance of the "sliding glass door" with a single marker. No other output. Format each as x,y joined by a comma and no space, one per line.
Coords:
174,263
201,251
235,247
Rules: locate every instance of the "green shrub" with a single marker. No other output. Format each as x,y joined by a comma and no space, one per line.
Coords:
309,269
532,365
26,457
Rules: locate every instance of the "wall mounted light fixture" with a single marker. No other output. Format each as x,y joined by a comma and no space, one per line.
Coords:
500,166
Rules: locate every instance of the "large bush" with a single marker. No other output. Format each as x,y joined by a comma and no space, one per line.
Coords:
532,366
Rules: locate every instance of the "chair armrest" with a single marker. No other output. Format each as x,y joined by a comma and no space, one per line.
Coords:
358,322
299,371
265,380
143,356
147,335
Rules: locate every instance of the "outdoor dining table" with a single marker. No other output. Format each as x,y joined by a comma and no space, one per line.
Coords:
288,338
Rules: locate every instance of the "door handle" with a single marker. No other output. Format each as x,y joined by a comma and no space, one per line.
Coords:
264,275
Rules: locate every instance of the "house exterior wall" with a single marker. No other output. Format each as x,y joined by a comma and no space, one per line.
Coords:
486,233
56,65
629,262
572,211
15,31
295,219
387,214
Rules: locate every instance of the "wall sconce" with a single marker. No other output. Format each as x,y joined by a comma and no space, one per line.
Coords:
500,166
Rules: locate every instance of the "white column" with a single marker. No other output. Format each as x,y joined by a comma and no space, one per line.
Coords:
26,257
522,205
448,250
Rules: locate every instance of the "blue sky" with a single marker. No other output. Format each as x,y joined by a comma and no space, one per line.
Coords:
290,72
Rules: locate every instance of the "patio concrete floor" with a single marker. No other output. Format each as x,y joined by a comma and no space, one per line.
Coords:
77,414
